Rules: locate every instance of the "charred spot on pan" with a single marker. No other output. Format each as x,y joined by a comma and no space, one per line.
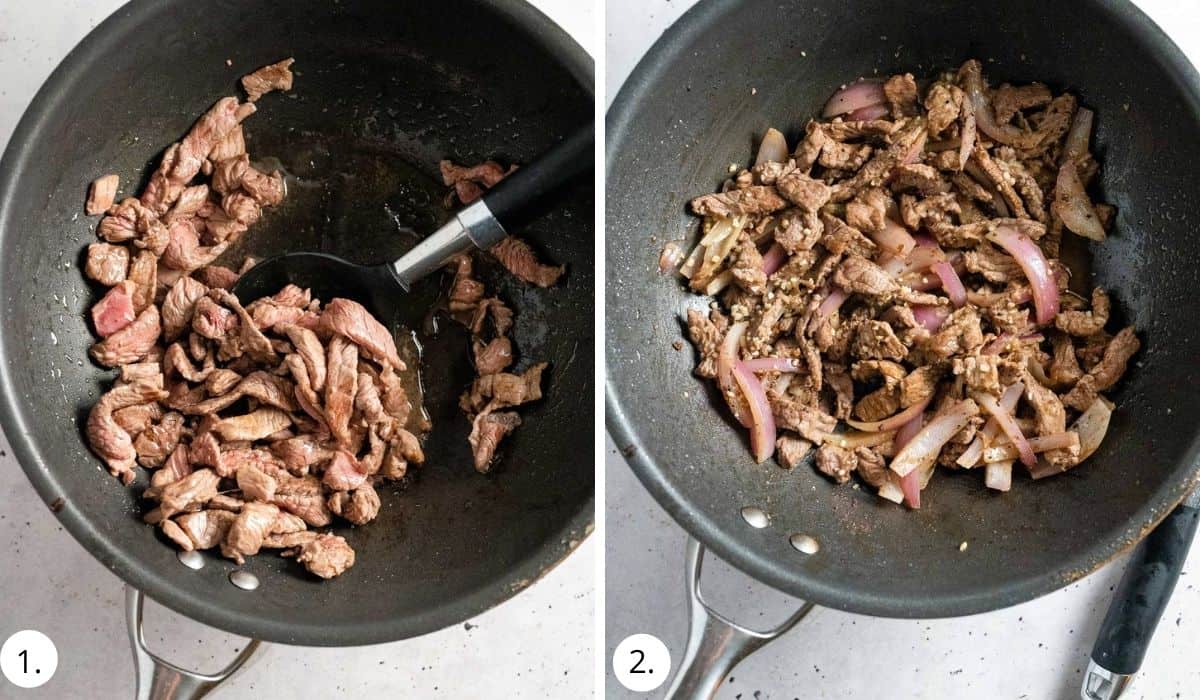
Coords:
57,505
629,451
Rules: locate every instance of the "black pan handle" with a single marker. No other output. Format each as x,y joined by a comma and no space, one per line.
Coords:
513,199
1141,597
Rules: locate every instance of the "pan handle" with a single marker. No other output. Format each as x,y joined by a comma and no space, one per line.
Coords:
161,680
715,643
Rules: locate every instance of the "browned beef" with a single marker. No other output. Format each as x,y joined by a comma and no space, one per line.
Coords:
277,76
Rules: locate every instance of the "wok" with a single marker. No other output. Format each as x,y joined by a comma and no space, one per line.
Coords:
699,101
383,91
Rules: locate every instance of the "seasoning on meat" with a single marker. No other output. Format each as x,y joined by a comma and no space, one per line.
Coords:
913,278
277,76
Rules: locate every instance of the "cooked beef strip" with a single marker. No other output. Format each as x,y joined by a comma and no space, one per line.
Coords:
277,76
519,259
106,263
326,556
487,430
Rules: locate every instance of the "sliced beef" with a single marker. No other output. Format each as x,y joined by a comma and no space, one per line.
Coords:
519,259
348,318
106,263
131,342
277,76
487,430
326,556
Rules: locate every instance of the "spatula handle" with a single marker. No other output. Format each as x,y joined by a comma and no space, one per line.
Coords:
485,222
513,198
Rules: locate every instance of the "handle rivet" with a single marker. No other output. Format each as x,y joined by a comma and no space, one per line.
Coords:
755,517
192,559
244,580
805,543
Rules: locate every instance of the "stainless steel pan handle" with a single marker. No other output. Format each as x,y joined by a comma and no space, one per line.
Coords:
161,680
715,643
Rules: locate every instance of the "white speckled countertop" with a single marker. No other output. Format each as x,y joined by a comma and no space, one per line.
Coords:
1035,651
537,645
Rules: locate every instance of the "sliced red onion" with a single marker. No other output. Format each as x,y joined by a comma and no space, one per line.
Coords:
893,239
1045,443
1008,401
1076,144
985,118
998,475
773,364
726,359
864,114
951,283
831,303
910,485
762,421
1009,425
864,93
930,317
851,440
892,264
967,143
916,149
1029,256
774,259
921,452
894,422
671,256
909,430
1091,427
1073,206
773,148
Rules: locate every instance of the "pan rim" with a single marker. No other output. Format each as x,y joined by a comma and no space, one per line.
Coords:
633,445
550,552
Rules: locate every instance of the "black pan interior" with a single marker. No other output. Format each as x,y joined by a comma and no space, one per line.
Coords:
699,101
383,91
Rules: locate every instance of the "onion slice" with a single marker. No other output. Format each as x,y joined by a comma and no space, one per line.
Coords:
985,118
969,133
909,430
1092,426
894,422
762,421
1076,144
773,364
864,114
1009,425
951,283
1029,256
831,303
1008,401
671,257
910,485
1072,205
857,95
1058,441
851,440
931,318
773,259
999,475
727,357
922,451
773,148
893,239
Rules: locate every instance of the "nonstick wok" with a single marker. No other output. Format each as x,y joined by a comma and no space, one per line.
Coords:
383,91
699,101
